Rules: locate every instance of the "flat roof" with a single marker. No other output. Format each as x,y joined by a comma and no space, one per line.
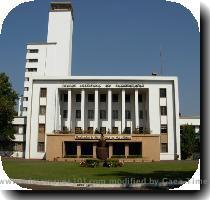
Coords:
143,78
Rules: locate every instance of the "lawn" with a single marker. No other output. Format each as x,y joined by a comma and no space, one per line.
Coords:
72,172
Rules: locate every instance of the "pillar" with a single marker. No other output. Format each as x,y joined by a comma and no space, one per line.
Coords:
123,110
96,110
110,150
110,110
78,150
137,108
94,150
126,150
69,110
83,109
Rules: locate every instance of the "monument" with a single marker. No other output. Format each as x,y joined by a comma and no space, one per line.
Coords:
102,151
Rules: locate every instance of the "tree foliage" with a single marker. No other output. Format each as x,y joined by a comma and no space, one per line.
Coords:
189,142
8,98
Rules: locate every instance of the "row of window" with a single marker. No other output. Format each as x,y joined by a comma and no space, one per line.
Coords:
103,114
31,69
32,60
115,97
32,50
103,97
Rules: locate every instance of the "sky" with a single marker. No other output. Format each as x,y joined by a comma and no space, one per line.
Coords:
114,37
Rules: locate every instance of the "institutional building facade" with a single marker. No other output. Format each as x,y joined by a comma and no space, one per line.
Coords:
64,115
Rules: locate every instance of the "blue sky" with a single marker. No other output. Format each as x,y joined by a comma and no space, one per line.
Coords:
114,37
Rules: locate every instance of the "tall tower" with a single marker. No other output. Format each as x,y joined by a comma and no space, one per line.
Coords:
60,31
51,58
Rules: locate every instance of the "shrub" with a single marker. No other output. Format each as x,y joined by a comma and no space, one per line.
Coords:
112,163
90,163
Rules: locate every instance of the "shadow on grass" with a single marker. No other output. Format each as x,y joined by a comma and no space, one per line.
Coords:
154,180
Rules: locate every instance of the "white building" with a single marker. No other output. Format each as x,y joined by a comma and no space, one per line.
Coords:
139,115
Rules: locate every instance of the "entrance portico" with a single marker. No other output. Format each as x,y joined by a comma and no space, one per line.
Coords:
135,147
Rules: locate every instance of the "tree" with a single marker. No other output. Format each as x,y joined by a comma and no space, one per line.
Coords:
189,143
8,98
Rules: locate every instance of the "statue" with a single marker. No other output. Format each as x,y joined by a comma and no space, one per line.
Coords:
102,151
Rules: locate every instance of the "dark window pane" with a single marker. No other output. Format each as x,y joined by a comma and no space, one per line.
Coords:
103,98
163,92
91,97
78,97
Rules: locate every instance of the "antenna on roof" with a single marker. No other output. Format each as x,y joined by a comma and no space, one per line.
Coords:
161,60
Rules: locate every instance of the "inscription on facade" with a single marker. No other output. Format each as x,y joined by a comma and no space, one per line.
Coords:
139,85
97,137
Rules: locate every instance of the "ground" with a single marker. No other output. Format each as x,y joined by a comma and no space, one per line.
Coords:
72,172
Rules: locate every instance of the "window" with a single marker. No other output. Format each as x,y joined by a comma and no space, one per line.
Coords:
90,114
163,110
41,128
65,114
31,69
33,51
25,109
141,114
127,98
102,114
103,130
16,128
164,128
26,88
78,114
43,92
19,146
65,97
115,97
162,92
127,130
91,97
115,114
103,98
140,98
25,98
42,110
26,79
40,147
114,130
78,97
32,60
127,114
164,147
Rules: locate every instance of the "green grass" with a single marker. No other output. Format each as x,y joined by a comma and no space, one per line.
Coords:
72,172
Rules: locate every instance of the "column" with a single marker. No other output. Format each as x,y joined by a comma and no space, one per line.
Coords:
63,149
123,110
57,111
78,150
94,150
110,110
126,150
83,109
110,150
69,110
137,108
96,110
